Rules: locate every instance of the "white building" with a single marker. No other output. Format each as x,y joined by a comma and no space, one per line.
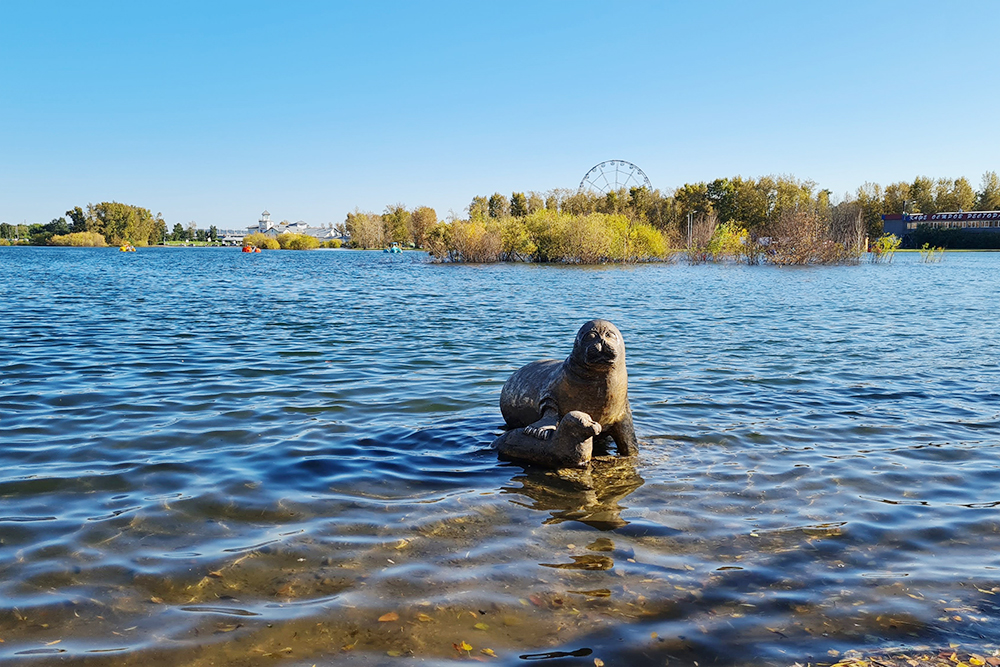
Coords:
266,226
263,225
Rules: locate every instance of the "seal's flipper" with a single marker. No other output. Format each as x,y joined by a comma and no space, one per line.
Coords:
623,434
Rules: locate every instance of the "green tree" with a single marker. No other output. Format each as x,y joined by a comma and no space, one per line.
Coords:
366,230
178,233
824,211
988,196
663,213
953,195
6,230
922,196
115,221
792,196
518,205
613,203
423,220
581,202
722,195
498,206
479,208
897,196
693,198
535,202
159,230
213,233
58,226
870,197
398,223
640,201
80,222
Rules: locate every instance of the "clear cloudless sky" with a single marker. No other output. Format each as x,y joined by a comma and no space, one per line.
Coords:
214,111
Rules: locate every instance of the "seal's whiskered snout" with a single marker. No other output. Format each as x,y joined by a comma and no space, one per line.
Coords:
600,353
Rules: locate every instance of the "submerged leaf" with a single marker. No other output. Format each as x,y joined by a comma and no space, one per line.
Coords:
596,593
391,616
586,562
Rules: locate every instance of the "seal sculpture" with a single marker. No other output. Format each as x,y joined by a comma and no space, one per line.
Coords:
554,409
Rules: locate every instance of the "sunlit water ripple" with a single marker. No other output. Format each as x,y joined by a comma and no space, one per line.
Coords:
217,458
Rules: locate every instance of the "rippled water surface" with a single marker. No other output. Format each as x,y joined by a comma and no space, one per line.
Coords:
213,458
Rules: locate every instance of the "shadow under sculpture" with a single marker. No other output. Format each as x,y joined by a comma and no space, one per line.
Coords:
560,414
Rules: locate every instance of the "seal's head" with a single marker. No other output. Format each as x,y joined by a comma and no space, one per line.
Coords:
599,346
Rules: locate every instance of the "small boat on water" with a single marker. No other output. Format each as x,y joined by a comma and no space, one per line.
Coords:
394,248
251,248
126,247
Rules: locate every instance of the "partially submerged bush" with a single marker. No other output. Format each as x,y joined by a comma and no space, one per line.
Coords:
79,239
547,236
801,239
649,243
476,241
930,254
289,241
262,241
884,248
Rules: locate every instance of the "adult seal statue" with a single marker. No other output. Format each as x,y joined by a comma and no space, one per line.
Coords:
554,409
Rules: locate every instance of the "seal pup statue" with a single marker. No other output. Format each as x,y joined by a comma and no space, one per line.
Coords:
554,409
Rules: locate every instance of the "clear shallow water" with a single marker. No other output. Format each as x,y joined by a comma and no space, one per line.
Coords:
208,457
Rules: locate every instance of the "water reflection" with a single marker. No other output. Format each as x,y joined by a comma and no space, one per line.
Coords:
590,496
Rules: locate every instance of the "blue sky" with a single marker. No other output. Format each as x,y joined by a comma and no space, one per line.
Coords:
214,111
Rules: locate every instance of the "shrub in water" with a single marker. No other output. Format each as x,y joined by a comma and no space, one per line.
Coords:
476,241
884,248
291,241
262,241
79,239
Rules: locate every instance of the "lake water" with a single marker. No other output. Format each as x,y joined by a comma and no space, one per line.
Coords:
214,458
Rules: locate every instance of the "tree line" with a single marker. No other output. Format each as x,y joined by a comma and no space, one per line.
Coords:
779,219
753,203
630,224
106,223
99,224
193,233
396,224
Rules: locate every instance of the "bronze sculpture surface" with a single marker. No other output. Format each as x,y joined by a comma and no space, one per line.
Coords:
555,409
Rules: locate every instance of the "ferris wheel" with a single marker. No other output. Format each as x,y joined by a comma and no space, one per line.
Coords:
614,175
